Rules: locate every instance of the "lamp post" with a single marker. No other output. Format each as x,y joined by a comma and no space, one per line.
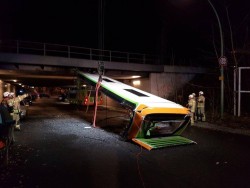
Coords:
222,59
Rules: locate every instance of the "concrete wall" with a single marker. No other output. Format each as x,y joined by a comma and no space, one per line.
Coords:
165,84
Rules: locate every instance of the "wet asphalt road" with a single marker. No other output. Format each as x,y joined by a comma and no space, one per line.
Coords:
57,147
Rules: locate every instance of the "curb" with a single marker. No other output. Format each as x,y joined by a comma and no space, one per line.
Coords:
207,125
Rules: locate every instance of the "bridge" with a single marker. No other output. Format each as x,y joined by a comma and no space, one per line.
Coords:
46,64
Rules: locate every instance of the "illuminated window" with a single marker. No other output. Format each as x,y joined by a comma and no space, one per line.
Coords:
136,82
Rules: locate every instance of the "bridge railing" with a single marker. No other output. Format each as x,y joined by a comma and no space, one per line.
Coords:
48,49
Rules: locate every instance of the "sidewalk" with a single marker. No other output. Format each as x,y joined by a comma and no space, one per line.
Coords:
215,127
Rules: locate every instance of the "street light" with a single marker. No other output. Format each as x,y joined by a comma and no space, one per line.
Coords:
222,59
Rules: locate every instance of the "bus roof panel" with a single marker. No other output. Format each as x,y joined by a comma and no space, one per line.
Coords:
130,93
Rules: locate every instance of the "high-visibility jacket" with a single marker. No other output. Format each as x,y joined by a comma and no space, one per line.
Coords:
191,105
15,103
201,101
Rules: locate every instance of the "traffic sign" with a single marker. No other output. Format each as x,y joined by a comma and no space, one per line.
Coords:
223,61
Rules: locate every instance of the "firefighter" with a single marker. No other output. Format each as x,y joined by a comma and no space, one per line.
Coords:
12,102
195,112
191,107
201,107
5,99
15,103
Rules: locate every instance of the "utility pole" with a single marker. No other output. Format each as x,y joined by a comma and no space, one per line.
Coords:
222,59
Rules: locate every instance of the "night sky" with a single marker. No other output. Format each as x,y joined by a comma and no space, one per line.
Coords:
185,29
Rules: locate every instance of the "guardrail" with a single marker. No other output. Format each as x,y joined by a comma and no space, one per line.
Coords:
48,49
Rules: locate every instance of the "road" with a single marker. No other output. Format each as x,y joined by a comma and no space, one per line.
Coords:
57,147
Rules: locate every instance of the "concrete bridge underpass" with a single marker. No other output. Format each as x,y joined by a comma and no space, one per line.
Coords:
43,64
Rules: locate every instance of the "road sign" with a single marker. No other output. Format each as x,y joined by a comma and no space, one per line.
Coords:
223,61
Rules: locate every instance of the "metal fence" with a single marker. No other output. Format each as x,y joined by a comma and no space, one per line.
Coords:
241,90
48,49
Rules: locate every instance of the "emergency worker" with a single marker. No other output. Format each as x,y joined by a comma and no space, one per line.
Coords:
5,102
195,112
15,103
191,107
15,112
201,107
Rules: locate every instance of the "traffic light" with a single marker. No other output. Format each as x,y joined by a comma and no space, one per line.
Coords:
100,68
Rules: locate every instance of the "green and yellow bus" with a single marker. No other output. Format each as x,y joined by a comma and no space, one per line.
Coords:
154,122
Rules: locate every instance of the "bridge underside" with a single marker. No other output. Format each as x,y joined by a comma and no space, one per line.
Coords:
38,70
49,76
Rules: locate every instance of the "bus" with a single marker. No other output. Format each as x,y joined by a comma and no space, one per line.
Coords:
154,123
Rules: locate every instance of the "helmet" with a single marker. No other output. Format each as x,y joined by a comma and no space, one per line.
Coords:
190,96
6,94
201,93
193,94
12,94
